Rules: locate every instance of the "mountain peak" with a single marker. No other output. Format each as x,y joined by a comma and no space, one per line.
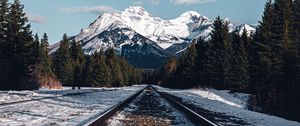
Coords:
135,26
190,14
136,10
142,38
250,29
226,19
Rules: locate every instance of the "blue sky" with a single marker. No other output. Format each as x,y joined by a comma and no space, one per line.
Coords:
56,17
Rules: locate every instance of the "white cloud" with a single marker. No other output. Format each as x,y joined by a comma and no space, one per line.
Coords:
188,2
35,18
94,10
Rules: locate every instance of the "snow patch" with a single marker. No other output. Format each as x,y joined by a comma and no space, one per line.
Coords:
61,110
212,96
229,104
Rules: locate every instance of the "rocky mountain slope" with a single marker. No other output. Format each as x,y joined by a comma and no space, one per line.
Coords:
146,41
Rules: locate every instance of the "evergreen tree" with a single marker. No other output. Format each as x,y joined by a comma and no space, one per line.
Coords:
261,50
44,62
127,71
240,63
62,62
78,64
219,55
36,47
274,67
201,62
281,39
4,10
290,51
296,38
43,72
290,60
296,33
101,75
20,48
89,67
185,71
113,63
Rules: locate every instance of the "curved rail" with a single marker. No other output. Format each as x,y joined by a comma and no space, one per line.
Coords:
197,117
99,118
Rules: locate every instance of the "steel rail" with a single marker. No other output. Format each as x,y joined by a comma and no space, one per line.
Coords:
100,118
197,117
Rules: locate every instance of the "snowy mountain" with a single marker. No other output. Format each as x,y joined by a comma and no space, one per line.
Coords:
146,41
164,32
250,29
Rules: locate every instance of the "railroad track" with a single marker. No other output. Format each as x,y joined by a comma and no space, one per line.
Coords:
102,118
99,118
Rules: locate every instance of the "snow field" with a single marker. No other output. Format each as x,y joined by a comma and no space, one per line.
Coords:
229,104
63,110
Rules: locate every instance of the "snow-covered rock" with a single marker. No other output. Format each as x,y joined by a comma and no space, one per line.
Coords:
250,29
164,32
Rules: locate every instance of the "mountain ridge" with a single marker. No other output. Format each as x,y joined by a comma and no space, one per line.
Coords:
135,27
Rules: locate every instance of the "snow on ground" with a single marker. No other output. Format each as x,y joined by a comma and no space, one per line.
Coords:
64,109
237,99
16,96
228,104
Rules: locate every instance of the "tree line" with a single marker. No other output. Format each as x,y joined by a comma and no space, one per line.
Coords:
25,61
102,68
20,54
265,64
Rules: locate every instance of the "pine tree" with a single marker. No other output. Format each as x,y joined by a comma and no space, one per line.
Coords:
290,49
260,54
78,64
37,52
228,49
296,38
240,65
4,10
201,62
113,63
185,72
43,72
20,48
36,47
101,75
89,67
19,51
127,71
62,62
219,55
274,68
281,39
296,32
46,61
290,62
